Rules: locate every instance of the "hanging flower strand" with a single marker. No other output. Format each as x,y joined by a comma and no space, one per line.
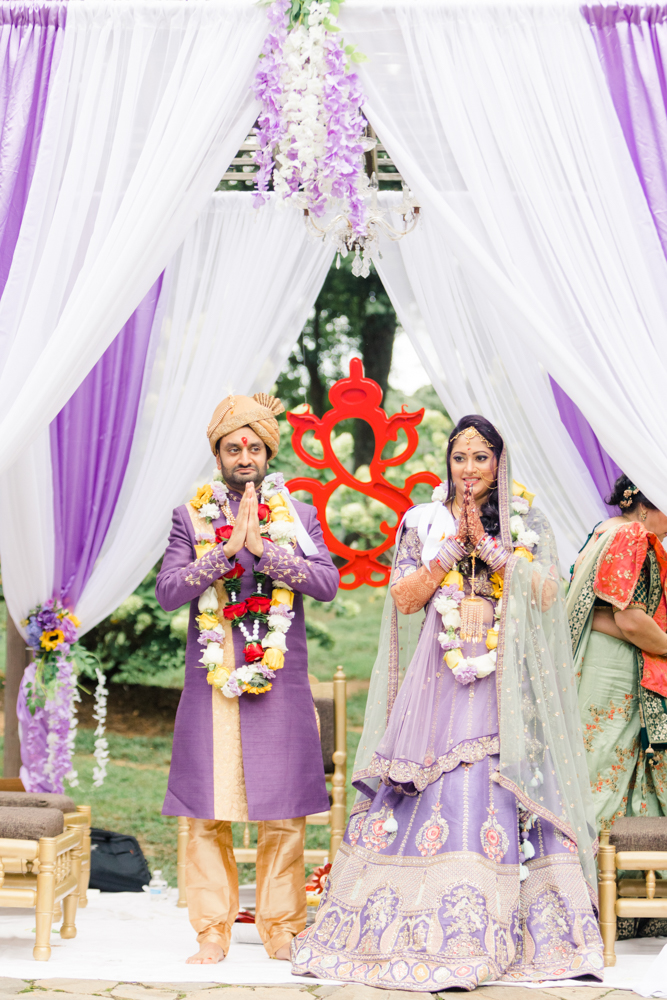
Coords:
310,130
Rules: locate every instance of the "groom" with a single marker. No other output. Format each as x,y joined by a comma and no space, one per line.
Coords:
253,755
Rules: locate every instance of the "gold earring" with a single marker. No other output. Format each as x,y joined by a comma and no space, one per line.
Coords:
643,514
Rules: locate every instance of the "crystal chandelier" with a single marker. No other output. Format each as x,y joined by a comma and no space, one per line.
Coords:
366,248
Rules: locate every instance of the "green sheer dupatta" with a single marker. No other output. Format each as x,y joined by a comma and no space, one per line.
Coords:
542,757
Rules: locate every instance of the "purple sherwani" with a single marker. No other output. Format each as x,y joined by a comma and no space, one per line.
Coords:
282,759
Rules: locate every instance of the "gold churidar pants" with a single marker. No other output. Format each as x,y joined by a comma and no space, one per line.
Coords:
212,883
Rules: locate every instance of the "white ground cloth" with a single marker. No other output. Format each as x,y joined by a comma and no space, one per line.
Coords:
128,937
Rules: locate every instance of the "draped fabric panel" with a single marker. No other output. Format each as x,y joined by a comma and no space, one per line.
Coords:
500,119
31,37
148,105
472,361
601,466
91,440
223,323
234,300
631,41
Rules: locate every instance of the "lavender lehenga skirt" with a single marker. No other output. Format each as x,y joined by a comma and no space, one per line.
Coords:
434,899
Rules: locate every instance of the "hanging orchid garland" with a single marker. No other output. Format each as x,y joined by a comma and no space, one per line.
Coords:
51,694
311,129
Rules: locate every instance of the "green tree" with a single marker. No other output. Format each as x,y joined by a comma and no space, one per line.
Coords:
350,314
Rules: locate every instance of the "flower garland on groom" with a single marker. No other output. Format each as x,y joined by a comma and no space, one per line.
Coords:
243,553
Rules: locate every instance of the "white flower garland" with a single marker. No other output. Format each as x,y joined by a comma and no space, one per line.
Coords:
101,752
467,669
72,777
255,677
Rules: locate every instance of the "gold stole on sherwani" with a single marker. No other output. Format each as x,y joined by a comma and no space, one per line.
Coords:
229,796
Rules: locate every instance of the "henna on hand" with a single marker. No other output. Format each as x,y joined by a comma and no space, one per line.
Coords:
474,523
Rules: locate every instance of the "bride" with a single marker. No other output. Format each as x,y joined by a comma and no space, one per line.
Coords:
469,855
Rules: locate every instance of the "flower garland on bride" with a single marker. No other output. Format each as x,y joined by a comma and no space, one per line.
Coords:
451,593
262,658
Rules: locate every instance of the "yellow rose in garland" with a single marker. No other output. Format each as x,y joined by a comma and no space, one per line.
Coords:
204,494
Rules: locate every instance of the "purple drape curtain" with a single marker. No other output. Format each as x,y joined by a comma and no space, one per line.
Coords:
91,440
604,471
631,41
31,37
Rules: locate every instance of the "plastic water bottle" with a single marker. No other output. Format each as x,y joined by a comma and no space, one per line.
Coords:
158,887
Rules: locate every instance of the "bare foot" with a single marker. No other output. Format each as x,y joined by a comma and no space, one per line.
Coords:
209,953
284,953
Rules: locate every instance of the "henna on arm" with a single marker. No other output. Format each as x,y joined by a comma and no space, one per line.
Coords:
412,592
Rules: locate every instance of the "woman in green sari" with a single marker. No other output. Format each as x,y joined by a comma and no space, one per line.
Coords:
618,619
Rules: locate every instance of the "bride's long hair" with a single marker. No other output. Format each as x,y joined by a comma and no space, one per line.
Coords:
489,514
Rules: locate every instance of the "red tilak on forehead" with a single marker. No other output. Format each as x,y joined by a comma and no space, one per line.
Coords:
245,440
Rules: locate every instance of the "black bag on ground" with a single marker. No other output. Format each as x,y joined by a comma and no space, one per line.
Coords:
117,863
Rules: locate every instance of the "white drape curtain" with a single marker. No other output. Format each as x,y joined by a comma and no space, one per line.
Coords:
499,118
235,298
238,294
475,368
149,104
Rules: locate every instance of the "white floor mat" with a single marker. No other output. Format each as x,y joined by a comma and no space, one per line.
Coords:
128,937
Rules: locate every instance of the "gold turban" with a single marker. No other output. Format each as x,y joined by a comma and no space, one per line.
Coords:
258,413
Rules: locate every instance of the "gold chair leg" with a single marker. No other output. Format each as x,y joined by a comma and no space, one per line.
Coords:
84,881
46,891
338,780
607,887
182,846
68,929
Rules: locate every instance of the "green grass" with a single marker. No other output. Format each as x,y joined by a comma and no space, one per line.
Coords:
130,801
355,639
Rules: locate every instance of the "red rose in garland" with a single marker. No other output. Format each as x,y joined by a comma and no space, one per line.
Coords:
263,512
258,605
234,611
223,533
253,651
234,573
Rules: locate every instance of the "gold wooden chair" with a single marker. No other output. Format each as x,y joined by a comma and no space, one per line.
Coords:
634,843
330,699
12,793
41,871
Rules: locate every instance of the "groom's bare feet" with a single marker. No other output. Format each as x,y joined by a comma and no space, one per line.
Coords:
209,953
284,953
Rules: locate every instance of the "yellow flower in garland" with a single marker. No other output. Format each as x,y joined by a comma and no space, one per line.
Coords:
74,620
202,548
453,657
273,658
281,514
524,553
277,501
453,579
519,490
207,620
50,640
282,596
249,689
204,494
498,584
492,638
218,677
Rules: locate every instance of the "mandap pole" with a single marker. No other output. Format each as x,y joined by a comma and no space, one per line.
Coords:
16,662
